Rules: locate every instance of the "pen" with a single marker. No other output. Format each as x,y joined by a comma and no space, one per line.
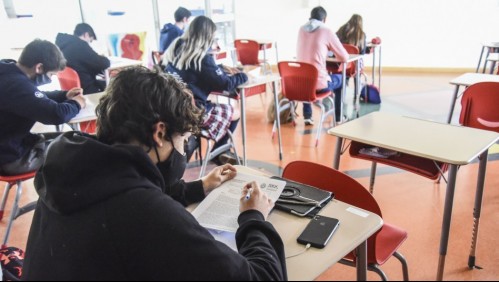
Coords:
248,194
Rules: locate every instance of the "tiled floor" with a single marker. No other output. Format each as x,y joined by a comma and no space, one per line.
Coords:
408,201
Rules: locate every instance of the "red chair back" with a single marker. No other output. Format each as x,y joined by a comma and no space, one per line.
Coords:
345,189
479,106
335,69
299,81
68,78
247,51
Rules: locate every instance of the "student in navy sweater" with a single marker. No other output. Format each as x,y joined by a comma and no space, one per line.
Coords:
82,58
189,61
22,104
110,216
170,32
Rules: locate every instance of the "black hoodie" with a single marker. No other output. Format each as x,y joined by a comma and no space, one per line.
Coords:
84,60
103,215
21,106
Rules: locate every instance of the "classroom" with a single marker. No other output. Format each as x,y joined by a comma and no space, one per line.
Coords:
249,140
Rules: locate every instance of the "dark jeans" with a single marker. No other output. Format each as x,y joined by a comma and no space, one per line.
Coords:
333,86
33,159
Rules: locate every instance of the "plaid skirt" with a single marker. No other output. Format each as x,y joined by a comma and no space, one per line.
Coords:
217,121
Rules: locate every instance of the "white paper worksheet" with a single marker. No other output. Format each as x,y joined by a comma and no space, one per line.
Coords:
220,209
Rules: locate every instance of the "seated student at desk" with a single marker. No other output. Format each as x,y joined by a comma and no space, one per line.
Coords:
170,32
352,33
109,217
22,104
315,41
188,60
82,58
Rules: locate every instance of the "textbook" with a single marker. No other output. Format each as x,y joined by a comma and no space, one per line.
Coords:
220,209
302,200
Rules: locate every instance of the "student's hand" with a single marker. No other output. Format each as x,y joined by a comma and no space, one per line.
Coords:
230,71
217,177
258,200
74,92
81,100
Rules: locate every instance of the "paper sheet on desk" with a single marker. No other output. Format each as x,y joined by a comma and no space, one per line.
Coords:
220,209
88,111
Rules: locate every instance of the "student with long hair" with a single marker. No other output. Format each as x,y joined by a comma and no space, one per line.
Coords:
188,60
352,33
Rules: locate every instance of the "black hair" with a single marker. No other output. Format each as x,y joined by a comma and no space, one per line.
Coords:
137,99
82,28
318,13
182,13
44,52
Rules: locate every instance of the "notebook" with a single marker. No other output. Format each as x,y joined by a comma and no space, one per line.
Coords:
302,200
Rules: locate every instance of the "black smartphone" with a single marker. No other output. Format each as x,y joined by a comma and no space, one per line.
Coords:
319,231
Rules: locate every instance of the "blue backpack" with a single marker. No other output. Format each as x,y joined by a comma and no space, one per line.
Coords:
370,94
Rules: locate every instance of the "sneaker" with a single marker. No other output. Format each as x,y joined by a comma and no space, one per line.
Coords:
228,158
309,121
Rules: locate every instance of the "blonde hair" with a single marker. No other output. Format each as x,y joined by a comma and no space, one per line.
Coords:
195,43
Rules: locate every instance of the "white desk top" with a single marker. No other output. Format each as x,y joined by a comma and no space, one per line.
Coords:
468,79
259,80
351,58
491,44
493,57
440,142
356,226
118,62
88,113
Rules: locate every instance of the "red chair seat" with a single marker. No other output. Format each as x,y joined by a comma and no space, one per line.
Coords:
15,178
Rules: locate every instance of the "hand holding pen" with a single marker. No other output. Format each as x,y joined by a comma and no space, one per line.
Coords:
253,198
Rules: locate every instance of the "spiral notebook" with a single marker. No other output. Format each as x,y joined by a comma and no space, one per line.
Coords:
302,200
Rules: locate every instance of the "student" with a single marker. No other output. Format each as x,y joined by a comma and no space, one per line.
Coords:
189,61
109,217
22,104
170,32
352,33
315,40
82,58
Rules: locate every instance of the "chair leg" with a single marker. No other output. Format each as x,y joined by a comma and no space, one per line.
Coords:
280,110
4,199
233,146
405,268
373,177
375,268
332,111
13,214
319,131
206,159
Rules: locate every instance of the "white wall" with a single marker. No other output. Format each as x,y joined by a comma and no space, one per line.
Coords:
424,33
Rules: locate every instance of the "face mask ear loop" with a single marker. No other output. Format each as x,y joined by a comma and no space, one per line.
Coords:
157,153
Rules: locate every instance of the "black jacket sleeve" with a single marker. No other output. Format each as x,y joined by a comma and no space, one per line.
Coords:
159,240
186,193
93,61
217,79
58,96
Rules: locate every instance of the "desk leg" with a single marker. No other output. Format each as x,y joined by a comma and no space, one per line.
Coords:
379,70
337,154
485,63
478,207
444,238
453,104
265,70
374,64
343,90
278,118
243,123
276,53
480,60
362,261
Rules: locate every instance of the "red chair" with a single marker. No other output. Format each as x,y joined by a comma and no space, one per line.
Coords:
68,79
299,82
16,210
479,106
335,68
247,51
382,245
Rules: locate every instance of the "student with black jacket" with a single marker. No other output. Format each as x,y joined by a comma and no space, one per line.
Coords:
109,215
189,61
22,104
82,58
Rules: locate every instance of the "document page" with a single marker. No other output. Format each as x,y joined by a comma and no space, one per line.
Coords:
220,209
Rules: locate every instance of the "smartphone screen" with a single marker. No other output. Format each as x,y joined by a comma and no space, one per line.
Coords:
319,231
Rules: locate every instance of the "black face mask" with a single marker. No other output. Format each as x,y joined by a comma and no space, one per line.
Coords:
42,79
173,168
